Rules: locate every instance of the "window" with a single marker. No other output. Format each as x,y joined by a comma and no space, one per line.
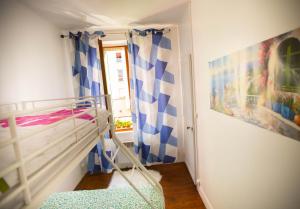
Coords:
117,80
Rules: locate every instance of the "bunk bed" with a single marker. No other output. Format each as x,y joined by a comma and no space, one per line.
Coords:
41,142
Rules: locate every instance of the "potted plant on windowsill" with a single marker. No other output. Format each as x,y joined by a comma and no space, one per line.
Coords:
121,125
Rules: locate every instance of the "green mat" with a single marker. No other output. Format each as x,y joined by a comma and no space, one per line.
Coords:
114,198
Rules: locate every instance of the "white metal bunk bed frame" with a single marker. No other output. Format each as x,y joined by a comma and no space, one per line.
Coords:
84,144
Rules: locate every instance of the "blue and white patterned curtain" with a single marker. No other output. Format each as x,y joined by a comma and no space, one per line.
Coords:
87,68
87,81
153,96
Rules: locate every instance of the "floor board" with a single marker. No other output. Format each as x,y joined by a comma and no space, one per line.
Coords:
179,189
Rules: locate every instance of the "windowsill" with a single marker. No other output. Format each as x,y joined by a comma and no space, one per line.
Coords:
123,130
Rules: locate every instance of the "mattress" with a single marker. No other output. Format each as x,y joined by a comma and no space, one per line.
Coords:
32,123
114,198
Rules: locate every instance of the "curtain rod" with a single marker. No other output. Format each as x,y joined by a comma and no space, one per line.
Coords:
166,30
146,31
110,33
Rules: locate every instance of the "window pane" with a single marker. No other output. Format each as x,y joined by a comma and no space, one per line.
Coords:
117,84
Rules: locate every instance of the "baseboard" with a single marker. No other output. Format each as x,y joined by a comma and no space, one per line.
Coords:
192,173
204,198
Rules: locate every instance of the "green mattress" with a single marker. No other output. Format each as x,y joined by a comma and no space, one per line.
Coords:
113,198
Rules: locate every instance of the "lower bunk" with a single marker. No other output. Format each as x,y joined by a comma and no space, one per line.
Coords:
116,198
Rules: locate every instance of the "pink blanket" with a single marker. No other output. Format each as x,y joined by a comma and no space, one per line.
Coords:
47,118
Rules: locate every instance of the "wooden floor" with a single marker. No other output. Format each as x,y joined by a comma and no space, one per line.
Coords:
179,189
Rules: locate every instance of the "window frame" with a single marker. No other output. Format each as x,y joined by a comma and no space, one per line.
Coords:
112,48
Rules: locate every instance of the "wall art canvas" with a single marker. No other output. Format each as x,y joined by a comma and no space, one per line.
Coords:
261,84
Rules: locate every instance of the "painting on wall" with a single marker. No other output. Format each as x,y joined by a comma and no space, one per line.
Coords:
261,84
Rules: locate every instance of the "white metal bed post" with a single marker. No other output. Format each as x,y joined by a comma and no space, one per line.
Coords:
96,111
23,105
110,118
21,169
74,122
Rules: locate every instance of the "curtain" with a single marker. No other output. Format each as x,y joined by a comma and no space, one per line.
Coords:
153,96
87,81
87,68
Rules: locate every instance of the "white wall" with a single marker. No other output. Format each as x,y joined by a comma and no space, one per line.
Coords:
241,166
32,63
31,56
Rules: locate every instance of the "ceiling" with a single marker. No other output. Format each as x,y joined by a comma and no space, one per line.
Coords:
107,14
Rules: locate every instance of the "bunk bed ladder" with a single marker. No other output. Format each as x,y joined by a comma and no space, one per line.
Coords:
137,165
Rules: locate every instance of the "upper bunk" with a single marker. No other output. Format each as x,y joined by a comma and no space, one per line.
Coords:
42,141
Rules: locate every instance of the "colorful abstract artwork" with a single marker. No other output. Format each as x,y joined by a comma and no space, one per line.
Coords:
261,84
